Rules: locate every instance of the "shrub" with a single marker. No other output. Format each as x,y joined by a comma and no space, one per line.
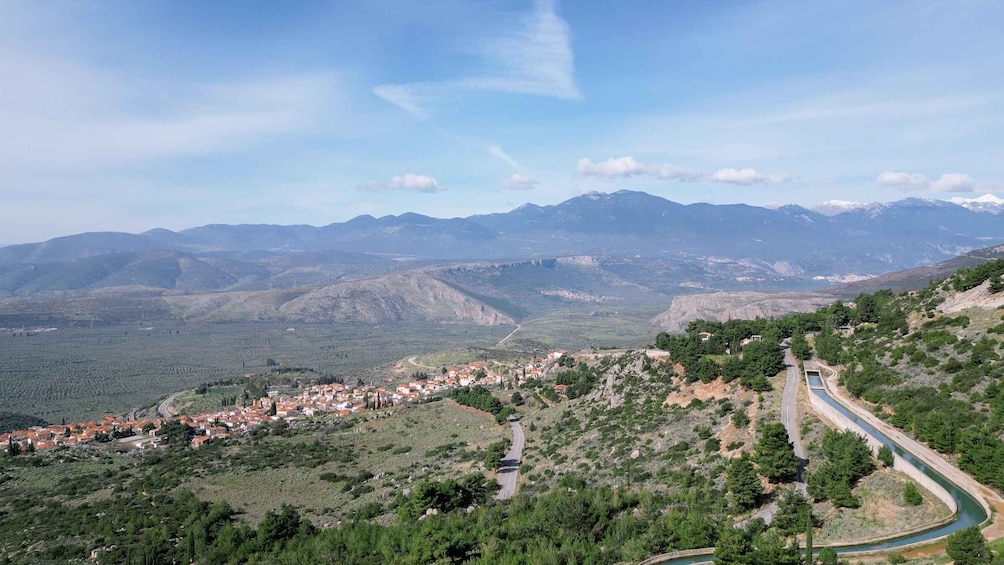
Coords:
911,494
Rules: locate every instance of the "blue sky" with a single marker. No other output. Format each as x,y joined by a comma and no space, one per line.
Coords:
134,115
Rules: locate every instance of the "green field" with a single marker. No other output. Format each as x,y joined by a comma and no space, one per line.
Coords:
192,402
80,374
603,327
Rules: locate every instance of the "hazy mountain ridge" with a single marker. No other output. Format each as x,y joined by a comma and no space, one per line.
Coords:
620,248
872,239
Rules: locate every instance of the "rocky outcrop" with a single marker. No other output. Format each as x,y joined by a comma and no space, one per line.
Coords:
394,298
724,306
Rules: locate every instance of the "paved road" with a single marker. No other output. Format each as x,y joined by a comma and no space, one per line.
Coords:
506,338
165,407
509,471
789,417
789,412
520,326
413,361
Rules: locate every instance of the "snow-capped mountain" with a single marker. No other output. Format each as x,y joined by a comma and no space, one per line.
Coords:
834,207
987,203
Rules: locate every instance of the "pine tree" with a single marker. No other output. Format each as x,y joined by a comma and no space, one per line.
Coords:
775,455
808,540
968,547
800,348
885,455
743,484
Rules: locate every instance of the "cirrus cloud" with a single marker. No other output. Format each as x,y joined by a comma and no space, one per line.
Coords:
533,57
949,182
406,182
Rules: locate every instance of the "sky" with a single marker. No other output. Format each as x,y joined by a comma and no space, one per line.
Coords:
127,116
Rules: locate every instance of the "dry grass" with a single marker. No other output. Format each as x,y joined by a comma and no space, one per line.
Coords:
882,513
392,448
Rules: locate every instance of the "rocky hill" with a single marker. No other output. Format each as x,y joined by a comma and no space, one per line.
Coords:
377,300
724,306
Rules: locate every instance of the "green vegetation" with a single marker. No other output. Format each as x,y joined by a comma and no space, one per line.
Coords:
969,547
81,374
847,460
886,456
481,398
743,485
10,421
625,464
911,494
966,279
495,453
705,341
775,455
755,545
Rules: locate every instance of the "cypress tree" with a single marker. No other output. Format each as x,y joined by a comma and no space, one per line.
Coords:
808,540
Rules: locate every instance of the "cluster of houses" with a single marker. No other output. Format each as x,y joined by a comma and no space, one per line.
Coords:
329,399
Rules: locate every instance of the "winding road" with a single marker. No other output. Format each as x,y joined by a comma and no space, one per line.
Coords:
413,361
971,498
508,473
789,413
789,417
164,409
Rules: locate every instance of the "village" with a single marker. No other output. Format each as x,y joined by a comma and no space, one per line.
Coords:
322,400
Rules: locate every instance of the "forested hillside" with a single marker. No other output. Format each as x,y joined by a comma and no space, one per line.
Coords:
930,363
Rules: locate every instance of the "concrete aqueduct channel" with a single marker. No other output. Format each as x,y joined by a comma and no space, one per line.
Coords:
962,494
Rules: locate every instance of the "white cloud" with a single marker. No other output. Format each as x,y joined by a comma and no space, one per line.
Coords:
950,182
520,182
628,166
406,182
611,168
534,57
620,167
497,152
954,182
747,177
904,181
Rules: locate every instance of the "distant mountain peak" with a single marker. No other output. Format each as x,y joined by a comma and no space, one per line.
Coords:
988,203
923,201
834,207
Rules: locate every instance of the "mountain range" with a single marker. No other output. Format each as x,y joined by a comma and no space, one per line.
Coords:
869,240
987,203
624,247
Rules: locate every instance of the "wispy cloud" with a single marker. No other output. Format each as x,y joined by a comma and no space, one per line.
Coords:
409,182
520,182
623,167
950,182
497,152
533,57
58,115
